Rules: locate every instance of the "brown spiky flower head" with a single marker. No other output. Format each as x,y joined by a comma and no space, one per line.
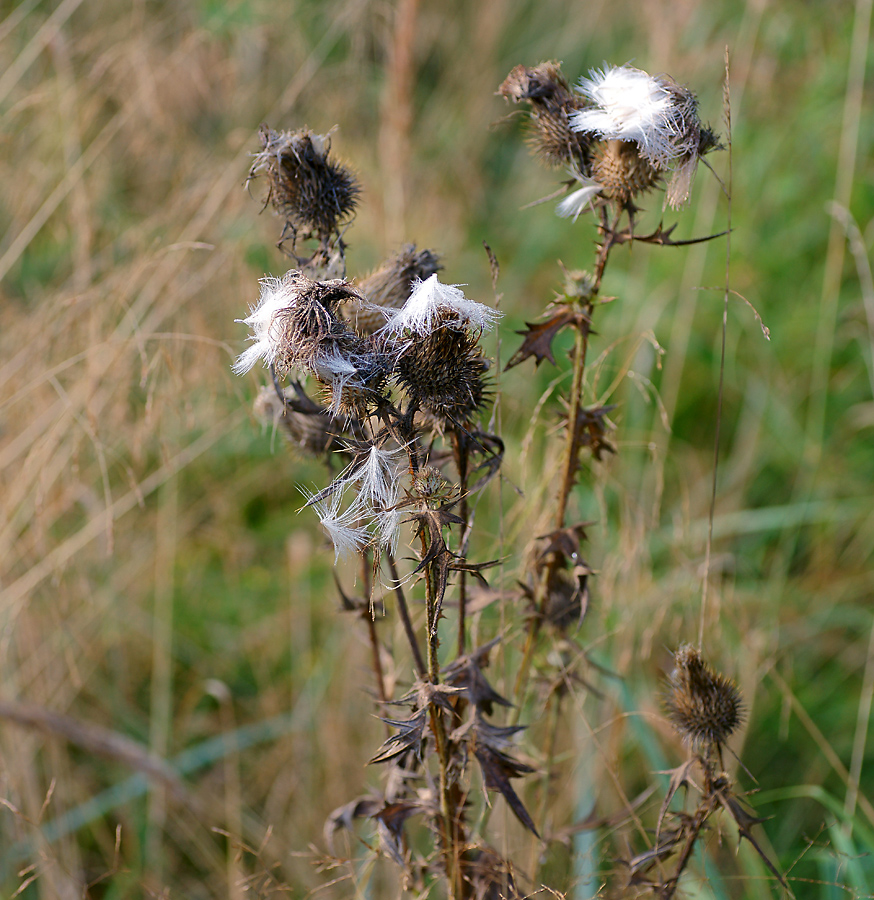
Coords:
296,325
435,337
314,194
552,103
703,706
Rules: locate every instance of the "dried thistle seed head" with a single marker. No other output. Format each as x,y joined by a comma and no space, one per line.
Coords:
657,115
352,394
622,172
390,286
314,194
312,433
295,325
703,706
443,373
552,103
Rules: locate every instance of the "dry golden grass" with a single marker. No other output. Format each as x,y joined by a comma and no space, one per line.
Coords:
156,581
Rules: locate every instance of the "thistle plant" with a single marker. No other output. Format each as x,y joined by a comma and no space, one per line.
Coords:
388,373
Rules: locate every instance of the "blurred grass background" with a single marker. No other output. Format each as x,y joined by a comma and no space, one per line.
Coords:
156,578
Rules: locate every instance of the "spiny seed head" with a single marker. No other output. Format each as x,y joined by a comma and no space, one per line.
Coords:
354,394
314,194
655,114
552,103
443,373
390,286
622,172
703,706
295,325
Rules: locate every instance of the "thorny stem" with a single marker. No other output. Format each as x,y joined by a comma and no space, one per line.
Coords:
449,826
459,449
573,432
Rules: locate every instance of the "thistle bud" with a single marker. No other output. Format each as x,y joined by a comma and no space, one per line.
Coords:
703,706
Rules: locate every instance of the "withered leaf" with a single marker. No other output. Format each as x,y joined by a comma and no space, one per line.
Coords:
409,737
592,430
540,335
488,743
466,674
661,236
680,777
564,541
425,694
390,827
343,816
745,821
665,846
498,768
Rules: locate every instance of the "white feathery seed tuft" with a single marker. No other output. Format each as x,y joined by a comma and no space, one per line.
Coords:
631,106
277,294
345,528
428,305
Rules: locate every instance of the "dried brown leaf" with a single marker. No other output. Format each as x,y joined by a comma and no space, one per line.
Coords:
539,336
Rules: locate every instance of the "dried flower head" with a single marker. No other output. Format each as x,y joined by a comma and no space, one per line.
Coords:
552,103
389,287
443,372
657,115
313,193
313,433
622,171
703,706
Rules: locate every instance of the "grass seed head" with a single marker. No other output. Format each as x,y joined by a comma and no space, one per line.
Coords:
703,706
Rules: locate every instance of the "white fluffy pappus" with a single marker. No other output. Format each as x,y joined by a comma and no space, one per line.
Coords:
428,305
277,294
348,529
631,105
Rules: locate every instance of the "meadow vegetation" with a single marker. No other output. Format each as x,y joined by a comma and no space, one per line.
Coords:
184,703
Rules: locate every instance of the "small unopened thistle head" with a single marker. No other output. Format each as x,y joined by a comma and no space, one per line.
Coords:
313,193
429,484
552,103
703,706
389,287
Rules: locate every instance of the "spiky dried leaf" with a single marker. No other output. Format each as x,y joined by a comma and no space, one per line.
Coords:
409,737
466,674
497,769
540,335
344,816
